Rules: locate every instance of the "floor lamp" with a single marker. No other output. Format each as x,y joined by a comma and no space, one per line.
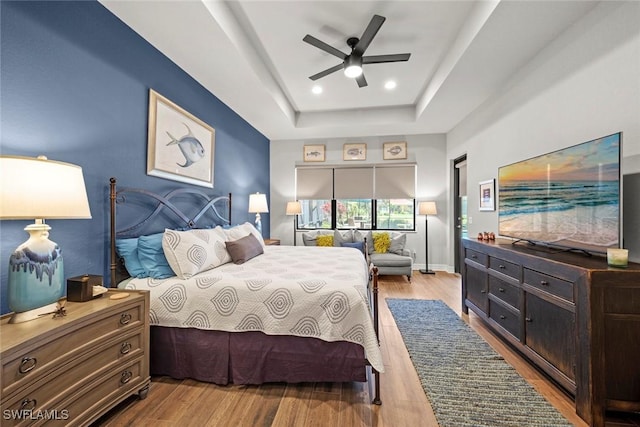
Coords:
295,209
426,209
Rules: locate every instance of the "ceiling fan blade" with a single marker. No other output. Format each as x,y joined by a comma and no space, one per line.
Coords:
323,46
376,59
327,72
369,33
362,82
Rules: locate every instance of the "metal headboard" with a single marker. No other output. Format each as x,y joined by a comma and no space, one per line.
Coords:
164,205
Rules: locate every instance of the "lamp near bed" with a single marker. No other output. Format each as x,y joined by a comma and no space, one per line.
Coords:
426,209
295,209
38,188
258,205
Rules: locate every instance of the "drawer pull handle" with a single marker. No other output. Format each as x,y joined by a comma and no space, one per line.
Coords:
28,404
125,348
502,316
125,318
27,364
544,283
501,267
501,289
483,291
528,319
474,256
126,377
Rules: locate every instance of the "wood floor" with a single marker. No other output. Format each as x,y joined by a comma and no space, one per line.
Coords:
191,403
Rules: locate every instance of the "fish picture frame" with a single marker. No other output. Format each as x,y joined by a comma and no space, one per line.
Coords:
354,151
394,150
181,147
313,153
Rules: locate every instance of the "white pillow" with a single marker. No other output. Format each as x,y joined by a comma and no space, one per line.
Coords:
242,230
193,251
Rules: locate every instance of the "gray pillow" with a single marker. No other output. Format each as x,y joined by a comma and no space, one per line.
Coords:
340,237
397,243
243,249
309,239
359,236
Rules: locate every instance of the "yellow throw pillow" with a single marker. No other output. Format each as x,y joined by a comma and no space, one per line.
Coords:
325,240
381,242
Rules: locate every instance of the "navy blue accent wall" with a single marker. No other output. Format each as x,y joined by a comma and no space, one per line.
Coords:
75,86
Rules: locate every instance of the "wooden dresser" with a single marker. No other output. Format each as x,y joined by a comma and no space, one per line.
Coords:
571,315
70,370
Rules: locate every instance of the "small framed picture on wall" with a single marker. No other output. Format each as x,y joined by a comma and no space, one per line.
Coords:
354,152
488,195
394,150
313,153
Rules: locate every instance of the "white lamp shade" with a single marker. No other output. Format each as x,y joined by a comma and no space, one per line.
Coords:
258,203
427,208
39,188
294,208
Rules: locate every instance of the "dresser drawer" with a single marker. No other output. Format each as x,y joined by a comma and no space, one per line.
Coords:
505,291
505,318
39,395
505,267
30,365
476,256
553,285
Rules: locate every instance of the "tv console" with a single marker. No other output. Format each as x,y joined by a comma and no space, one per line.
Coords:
571,316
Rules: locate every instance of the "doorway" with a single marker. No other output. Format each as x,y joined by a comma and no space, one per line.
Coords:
460,208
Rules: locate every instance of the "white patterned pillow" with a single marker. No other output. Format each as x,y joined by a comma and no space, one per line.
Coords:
242,230
193,251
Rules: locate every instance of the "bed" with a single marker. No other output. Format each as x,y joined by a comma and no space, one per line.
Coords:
281,316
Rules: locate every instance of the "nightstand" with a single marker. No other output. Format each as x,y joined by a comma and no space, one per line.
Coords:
73,369
272,242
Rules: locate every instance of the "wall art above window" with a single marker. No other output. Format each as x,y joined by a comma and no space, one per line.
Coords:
354,152
313,153
394,150
181,146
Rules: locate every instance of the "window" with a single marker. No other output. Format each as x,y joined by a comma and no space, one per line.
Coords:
367,198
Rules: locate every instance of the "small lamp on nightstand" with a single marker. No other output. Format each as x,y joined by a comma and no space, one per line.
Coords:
258,205
37,188
295,209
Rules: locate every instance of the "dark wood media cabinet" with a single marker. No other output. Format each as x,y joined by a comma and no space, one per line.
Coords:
571,315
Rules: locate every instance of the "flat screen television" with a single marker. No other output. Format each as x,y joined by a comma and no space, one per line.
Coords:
569,198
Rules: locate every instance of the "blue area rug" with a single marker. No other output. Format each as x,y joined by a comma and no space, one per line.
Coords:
467,382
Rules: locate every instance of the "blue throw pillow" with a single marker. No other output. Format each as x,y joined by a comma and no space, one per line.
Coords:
357,245
128,250
152,257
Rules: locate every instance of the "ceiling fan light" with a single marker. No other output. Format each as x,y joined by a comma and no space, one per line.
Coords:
353,71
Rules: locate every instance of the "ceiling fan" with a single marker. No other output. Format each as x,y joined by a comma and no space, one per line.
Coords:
352,63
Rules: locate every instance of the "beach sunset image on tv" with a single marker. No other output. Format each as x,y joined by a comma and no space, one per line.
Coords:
568,198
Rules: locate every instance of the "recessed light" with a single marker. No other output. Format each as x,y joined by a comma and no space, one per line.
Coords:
317,89
390,85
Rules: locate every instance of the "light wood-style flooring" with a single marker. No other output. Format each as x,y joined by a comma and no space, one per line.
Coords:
190,403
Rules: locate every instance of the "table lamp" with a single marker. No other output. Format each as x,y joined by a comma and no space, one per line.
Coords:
295,209
258,205
426,209
37,188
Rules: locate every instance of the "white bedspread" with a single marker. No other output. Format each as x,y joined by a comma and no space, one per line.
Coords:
304,291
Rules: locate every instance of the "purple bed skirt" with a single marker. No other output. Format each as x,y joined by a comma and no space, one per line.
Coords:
252,357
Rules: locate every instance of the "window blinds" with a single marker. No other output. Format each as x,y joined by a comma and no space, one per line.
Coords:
395,182
314,183
353,183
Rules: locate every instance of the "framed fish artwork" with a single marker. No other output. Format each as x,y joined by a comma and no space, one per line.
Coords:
354,152
313,153
181,147
394,150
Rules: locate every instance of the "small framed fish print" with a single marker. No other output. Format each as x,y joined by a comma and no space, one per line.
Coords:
313,153
181,147
394,150
354,152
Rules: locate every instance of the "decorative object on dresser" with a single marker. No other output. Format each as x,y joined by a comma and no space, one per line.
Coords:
426,209
40,189
258,205
394,150
176,134
76,368
571,315
295,209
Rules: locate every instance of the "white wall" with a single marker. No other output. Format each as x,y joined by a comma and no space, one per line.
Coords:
427,151
584,85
